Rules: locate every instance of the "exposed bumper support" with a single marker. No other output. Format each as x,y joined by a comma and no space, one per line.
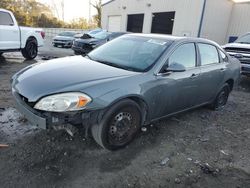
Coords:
48,120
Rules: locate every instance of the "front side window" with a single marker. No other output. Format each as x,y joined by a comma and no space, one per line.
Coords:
130,53
184,55
209,54
5,19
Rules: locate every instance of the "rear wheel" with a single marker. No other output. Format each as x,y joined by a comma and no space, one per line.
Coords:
31,49
222,97
119,125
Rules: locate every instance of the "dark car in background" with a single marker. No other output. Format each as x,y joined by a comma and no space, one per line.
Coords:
91,33
88,42
240,49
125,84
64,39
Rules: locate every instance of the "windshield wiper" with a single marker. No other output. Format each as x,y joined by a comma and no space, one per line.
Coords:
118,66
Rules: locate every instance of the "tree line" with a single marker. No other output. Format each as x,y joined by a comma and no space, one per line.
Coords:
35,14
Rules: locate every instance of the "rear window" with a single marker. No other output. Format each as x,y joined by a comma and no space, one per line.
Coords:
209,54
5,19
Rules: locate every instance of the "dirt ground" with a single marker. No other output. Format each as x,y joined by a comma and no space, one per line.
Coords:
200,148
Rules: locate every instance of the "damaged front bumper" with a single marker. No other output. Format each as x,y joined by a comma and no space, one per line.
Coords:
48,120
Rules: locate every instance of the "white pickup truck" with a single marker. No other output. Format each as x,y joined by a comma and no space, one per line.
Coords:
15,38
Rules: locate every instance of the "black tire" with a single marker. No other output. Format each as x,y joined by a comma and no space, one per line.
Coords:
119,125
55,45
221,98
1,53
30,50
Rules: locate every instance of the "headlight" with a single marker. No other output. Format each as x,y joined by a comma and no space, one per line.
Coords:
63,102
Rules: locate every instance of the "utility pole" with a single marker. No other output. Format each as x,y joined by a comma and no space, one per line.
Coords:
62,5
89,11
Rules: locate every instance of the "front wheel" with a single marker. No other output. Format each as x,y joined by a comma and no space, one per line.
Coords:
221,99
1,53
30,50
119,125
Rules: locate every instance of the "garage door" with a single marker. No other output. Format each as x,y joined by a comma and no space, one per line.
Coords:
163,22
135,23
114,23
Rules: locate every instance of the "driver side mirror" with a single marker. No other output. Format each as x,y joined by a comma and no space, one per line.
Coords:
175,67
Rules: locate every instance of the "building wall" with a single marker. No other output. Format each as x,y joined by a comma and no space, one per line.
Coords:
222,18
240,20
187,12
216,20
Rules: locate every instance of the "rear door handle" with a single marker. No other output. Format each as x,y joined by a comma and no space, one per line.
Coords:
222,69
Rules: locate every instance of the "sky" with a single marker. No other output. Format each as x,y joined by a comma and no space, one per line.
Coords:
72,8
78,8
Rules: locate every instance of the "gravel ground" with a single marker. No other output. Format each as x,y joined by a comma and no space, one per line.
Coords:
200,148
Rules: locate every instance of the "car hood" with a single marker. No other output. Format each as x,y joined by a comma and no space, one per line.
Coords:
237,45
63,75
63,38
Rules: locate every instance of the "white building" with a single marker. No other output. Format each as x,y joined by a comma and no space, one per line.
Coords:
218,20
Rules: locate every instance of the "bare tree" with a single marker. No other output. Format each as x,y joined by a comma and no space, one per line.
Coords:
98,16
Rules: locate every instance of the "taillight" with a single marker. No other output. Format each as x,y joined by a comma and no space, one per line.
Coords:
43,34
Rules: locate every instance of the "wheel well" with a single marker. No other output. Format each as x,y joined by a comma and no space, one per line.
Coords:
230,82
31,37
143,106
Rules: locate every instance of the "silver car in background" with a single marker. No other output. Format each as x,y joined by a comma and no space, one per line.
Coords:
64,39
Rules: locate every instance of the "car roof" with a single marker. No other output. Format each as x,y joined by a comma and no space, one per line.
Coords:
5,10
173,38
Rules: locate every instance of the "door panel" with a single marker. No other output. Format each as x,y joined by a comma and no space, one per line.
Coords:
9,32
178,91
212,71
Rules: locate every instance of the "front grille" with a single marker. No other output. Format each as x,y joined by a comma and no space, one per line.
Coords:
238,50
245,61
57,40
246,69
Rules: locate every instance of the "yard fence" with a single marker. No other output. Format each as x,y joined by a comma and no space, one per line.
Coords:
51,32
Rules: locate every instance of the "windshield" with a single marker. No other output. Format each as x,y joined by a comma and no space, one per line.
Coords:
245,39
93,32
100,35
131,53
67,34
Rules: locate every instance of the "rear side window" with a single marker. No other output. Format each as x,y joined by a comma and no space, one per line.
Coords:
185,55
209,54
5,19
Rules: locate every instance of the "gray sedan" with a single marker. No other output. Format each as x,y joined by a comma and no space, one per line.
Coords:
125,84
64,39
